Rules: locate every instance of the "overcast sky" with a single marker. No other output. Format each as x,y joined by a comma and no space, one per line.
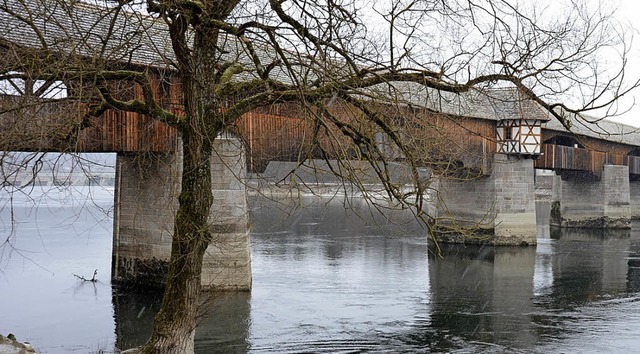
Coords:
629,11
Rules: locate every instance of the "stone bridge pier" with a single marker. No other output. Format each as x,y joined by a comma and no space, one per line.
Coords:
634,198
497,209
147,187
584,200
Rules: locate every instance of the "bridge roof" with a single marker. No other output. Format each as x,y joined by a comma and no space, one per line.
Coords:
74,27
492,104
83,29
599,128
507,103
118,36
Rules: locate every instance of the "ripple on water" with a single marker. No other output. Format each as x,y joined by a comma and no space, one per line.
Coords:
609,325
320,346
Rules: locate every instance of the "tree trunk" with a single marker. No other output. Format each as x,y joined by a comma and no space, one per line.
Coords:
174,326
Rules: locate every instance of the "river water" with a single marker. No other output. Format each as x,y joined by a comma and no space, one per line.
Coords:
330,278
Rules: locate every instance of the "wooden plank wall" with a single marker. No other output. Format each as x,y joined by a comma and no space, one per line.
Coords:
127,132
558,157
273,133
468,142
117,131
591,157
31,125
283,133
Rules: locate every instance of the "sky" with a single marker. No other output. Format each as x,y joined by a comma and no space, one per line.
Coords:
627,109
628,11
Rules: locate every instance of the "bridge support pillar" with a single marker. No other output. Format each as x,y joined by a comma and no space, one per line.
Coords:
593,203
548,196
634,200
515,201
498,209
146,192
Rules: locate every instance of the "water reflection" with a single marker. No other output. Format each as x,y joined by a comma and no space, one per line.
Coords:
573,285
329,278
633,262
337,276
593,285
223,326
223,323
134,310
483,294
587,265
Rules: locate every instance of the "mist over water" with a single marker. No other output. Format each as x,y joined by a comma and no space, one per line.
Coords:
330,277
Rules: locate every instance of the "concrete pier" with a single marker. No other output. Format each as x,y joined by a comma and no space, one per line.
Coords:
634,199
146,191
592,202
498,209
548,189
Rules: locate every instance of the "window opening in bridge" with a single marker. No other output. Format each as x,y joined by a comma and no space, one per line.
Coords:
564,141
61,171
633,161
508,134
19,85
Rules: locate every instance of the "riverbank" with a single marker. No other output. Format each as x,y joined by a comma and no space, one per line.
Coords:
318,178
9,345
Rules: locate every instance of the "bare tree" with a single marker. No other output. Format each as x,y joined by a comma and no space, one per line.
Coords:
357,70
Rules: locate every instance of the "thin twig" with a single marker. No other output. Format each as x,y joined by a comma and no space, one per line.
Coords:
93,280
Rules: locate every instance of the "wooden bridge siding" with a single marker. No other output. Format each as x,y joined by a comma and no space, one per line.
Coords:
273,133
46,127
285,132
591,158
281,132
469,140
557,157
28,125
117,131
592,143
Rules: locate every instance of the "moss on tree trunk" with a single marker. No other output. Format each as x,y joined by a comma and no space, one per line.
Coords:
555,214
174,326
